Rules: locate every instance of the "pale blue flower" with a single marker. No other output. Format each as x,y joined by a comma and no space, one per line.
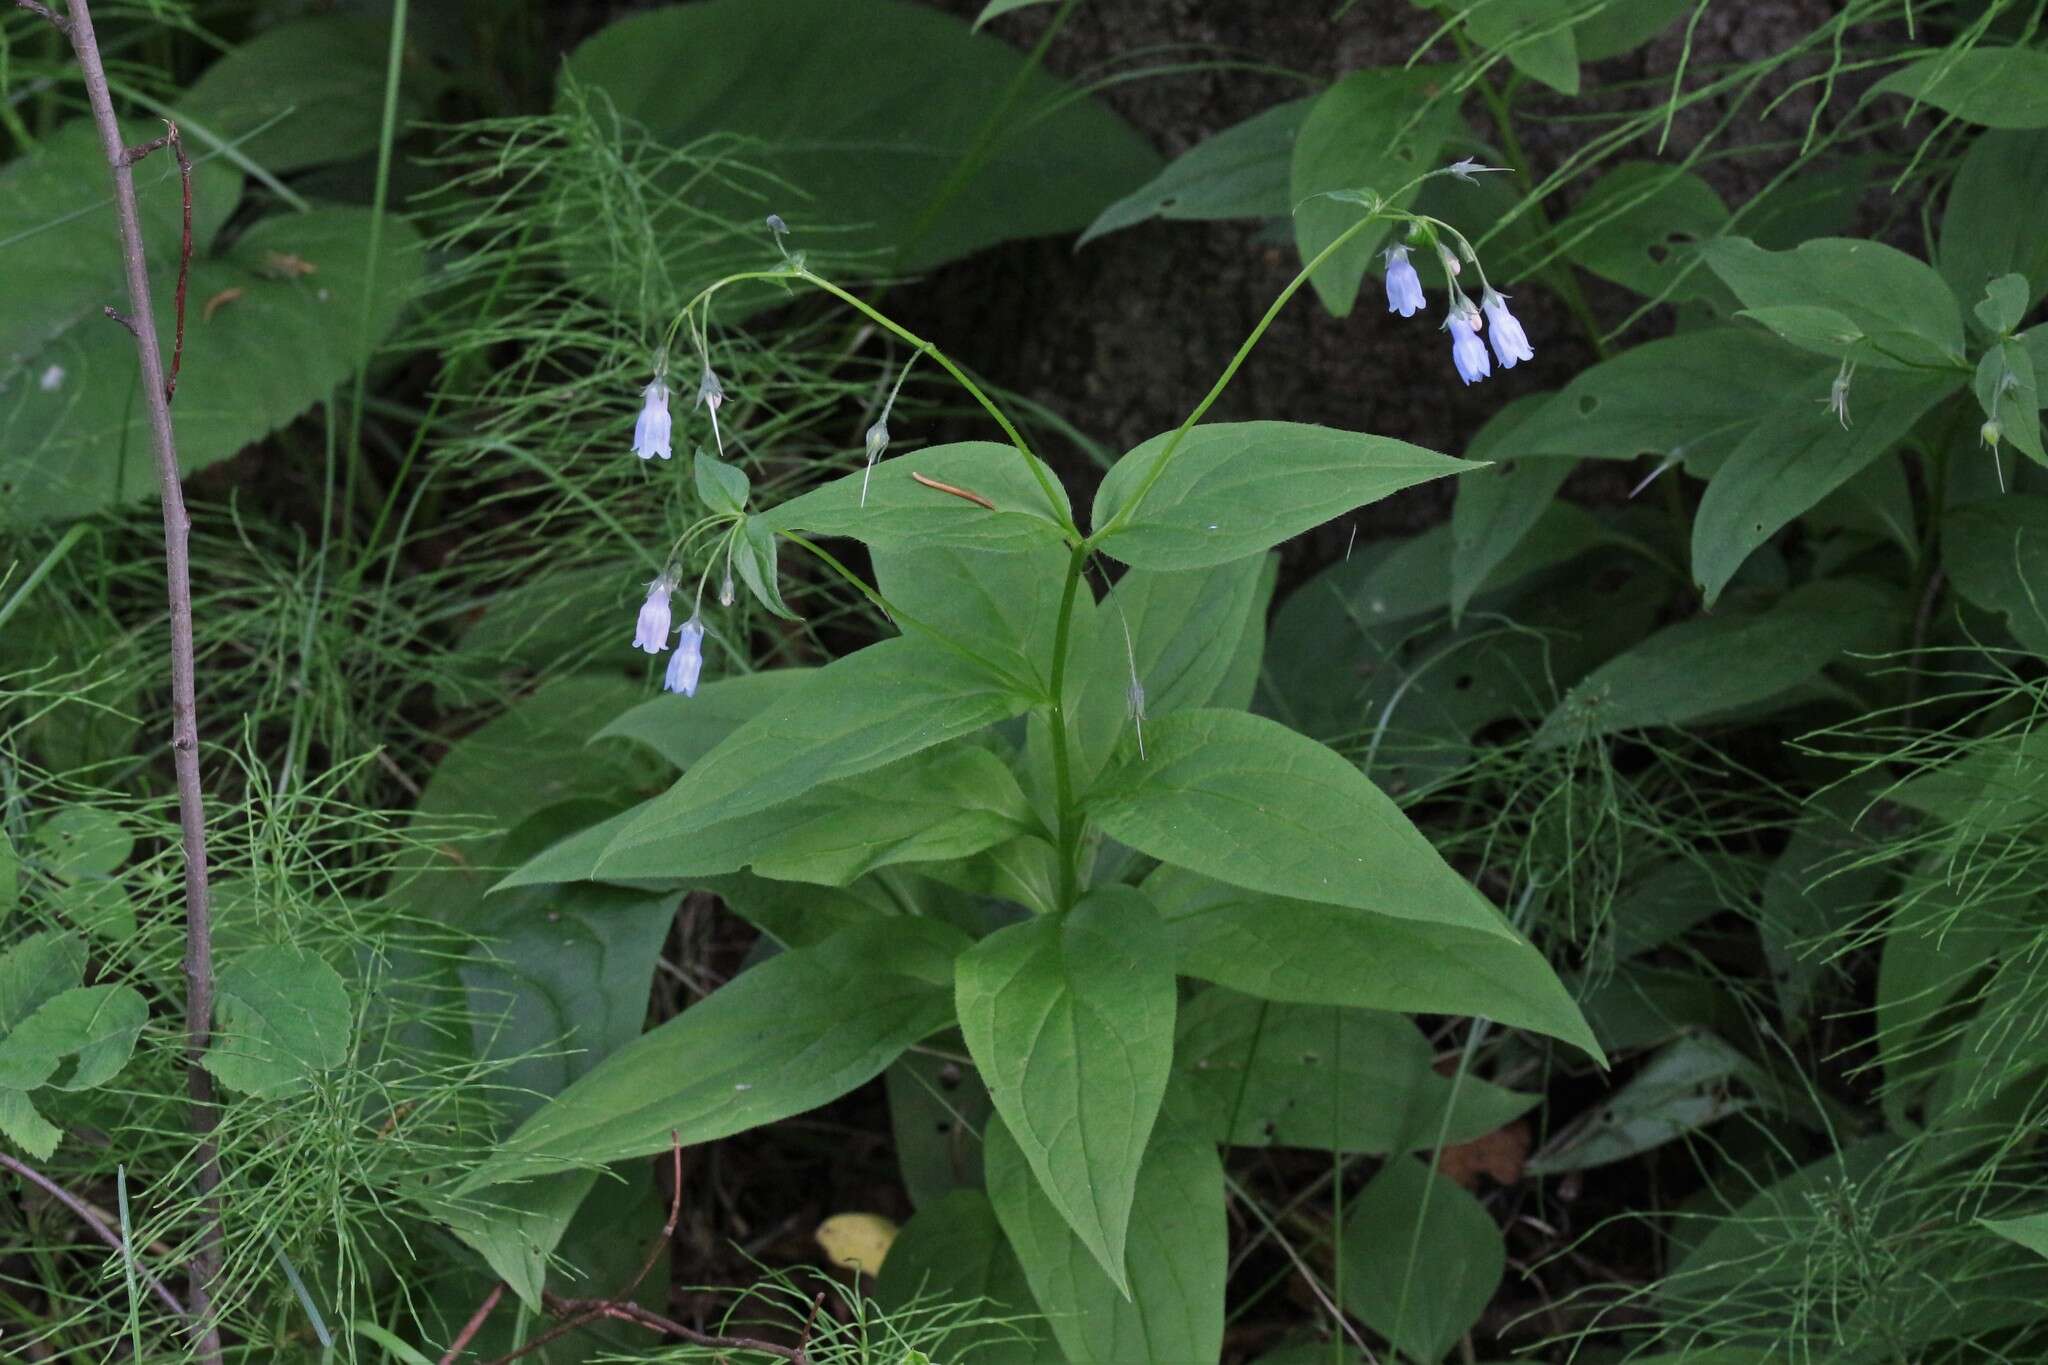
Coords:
651,634
1510,342
1468,352
650,433
687,662
1404,286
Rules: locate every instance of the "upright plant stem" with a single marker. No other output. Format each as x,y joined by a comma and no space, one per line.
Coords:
1063,780
205,1263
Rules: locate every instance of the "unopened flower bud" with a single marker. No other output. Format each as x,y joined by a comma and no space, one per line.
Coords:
1450,260
1989,434
726,596
710,393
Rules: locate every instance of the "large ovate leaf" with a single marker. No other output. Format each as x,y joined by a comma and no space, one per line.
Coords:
1177,1256
887,506
1343,1080
894,136
947,802
802,1028
517,1227
302,93
1070,1018
954,1251
1001,606
1245,800
1896,310
282,1016
1998,87
1374,130
1679,676
856,714
1306,953
1798,454
1232,489
272,326
1241,172
37,969
1535,35
1422,1259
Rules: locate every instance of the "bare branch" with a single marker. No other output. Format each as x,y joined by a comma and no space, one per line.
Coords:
92,1220
44,12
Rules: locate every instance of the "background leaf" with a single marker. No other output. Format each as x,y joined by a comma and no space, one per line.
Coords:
1241,172
954,1251
867,148
1999,87
1422,1259
314,87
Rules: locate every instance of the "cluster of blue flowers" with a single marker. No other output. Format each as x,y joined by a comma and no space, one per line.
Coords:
651,433
1466,321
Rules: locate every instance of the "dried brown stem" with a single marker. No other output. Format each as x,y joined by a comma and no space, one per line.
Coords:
474,1325
58,21
966,493
205,1263
91,1219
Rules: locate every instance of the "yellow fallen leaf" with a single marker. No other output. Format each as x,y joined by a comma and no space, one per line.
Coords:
858,1241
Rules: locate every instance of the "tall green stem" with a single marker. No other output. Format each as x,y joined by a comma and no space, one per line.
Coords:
1062,771
1244,351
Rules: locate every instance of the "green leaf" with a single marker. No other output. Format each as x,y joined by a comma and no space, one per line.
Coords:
954,1251
995,9
314,87
98,1025
1899,311
1186,631
1177,1258
1241,172
1001,605
1374,130
937,1110
947,802
1233,489
1679,676
1694,396
1998,87
721,487
1422,1259
2004,303
2029,1230
516,1228
80,843
1795,457
2009,394
754,554
684,729
1639,224
280,340
1691,1084
1245,800
800,1029
37,969
1340,1080
1497,507
856,714
558,965
280,1016
24,1127
1996,553
10,877
1991,224
1307,953
901,511
1617,28
1535,35
869,133
1070,1018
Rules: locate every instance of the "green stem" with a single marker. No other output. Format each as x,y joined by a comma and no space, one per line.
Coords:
1244,351
1062,772
1054,501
